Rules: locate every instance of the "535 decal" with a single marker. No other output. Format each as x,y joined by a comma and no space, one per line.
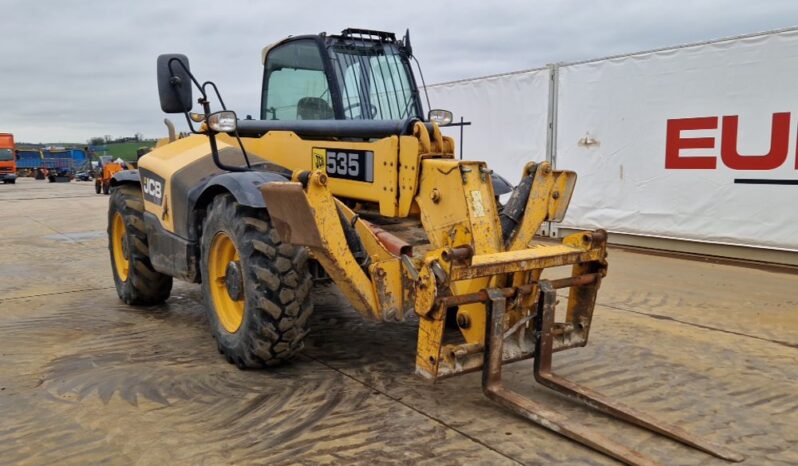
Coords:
357,165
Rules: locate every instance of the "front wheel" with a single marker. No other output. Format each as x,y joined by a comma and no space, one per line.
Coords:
97,188
256,288
137,282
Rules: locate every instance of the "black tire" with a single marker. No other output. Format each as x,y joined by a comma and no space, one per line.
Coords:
97,188
144,286
276,287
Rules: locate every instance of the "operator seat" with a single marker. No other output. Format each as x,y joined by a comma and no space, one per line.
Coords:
314,108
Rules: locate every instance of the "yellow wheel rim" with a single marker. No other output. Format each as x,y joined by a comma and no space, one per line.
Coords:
222,254
119,246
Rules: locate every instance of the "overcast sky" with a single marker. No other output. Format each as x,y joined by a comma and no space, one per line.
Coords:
70,70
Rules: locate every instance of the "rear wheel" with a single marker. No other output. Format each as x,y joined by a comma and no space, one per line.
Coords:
256,288
137,282
97,188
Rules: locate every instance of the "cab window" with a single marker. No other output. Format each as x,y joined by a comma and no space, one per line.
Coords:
295,85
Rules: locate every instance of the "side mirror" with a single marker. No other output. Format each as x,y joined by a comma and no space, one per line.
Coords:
174,83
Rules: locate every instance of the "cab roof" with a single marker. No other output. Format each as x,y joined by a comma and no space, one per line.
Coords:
348,33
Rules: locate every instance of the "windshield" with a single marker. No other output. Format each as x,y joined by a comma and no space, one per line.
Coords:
6,155
375,81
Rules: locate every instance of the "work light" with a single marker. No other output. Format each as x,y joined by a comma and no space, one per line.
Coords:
222,122
441,117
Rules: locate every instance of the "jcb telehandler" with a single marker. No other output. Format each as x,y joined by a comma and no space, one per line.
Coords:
343,177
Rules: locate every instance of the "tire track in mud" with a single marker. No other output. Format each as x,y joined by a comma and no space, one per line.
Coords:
651,303
702,326
88,380
53,439
55,293
689,381
702,387
427,415
159,372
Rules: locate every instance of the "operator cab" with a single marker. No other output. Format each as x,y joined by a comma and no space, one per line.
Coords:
357,75
355,85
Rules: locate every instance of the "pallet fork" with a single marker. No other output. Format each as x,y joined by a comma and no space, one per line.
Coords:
306,214
544,328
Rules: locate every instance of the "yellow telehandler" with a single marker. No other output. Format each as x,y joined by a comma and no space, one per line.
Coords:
345,178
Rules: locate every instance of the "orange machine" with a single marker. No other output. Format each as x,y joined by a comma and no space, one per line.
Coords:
107,169
8,162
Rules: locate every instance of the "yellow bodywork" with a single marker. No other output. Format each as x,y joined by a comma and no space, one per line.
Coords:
396,164
415,176
166,161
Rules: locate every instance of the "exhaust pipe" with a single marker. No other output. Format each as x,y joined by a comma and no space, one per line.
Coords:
171,128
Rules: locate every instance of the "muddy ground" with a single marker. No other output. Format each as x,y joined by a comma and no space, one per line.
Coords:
86,379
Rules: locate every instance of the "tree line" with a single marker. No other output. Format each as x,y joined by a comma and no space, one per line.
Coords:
108,139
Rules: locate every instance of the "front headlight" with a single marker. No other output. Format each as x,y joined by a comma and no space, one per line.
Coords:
222,122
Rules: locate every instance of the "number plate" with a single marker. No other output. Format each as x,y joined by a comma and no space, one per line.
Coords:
357,165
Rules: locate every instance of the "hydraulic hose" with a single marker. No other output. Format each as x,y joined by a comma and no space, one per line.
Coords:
513,211
354,242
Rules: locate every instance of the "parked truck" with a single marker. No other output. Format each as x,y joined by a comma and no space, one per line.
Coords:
8,162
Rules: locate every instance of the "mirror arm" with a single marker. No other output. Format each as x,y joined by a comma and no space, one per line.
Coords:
216,90
174,60
212,135
206,107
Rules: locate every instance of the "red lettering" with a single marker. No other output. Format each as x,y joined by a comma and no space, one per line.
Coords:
674,143
779,142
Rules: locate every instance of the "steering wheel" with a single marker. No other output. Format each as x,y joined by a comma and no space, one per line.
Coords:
358,104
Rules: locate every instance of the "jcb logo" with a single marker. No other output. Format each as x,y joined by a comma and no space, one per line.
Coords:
319,158
152,187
